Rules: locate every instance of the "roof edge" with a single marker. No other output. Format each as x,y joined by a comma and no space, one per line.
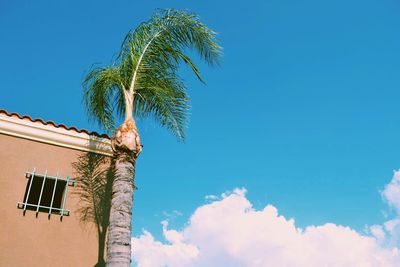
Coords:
51,134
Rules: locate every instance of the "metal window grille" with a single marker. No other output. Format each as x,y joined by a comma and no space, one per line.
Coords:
45,193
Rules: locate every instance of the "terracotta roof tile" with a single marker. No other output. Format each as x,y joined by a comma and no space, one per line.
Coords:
22,117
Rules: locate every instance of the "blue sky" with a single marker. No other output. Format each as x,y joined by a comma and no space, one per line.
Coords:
303,111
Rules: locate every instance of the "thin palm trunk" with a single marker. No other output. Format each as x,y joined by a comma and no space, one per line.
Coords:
126,146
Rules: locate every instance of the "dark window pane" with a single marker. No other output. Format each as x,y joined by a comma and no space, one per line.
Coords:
47,194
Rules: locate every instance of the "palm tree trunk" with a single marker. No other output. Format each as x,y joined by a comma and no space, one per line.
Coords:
126,146
119,235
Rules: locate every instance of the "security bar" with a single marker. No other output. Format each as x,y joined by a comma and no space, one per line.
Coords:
60,207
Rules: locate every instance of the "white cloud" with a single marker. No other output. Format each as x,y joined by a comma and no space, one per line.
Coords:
211,197
230,232
172,215
149,252
392,192
378,232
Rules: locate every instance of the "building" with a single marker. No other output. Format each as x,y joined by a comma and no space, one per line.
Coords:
39,220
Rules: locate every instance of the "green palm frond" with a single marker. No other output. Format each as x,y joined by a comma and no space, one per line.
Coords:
102,86
165,99
156,50
147,68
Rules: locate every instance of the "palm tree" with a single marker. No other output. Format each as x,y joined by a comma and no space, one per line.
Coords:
144,82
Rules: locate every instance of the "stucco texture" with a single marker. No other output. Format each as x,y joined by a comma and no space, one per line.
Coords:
39,241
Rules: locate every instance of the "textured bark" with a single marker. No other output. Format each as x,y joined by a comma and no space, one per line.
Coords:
126,146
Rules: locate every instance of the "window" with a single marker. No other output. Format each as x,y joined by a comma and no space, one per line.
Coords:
46,193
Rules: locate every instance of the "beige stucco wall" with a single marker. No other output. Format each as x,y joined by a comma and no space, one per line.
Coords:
30,241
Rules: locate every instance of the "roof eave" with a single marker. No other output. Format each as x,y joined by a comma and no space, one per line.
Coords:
46,133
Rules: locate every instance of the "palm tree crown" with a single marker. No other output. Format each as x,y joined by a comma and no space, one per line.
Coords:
143,82
144,79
